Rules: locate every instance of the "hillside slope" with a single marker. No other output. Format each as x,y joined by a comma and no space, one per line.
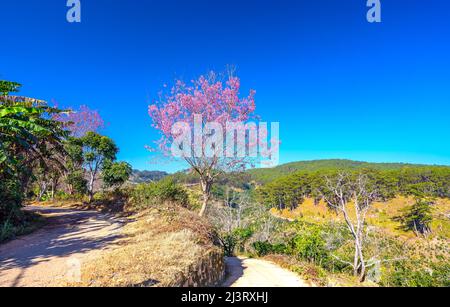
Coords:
264,175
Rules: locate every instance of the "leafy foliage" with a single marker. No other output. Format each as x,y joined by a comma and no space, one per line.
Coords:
418,217
264,248
40,155
144,196
235,240
398,175
290,190
146,176
416,274
97,150
7,87
115,174
28,137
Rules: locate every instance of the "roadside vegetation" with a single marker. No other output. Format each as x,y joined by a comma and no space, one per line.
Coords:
334,222
337,224
47,153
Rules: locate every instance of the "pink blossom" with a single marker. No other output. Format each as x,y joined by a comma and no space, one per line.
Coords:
214,100
81,121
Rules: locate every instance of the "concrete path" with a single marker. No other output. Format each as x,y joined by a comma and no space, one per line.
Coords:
245,272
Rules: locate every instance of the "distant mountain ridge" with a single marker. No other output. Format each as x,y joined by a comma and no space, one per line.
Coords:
265,174
146,176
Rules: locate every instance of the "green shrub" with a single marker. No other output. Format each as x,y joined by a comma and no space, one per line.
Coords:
416,274
101,196
309,244
115,174
28,223
242,235
418,217
10,201
235,241
147,195
262,249
77,181
310,247
63,196
6,231
228,243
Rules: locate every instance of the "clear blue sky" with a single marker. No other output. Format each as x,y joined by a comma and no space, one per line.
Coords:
339,86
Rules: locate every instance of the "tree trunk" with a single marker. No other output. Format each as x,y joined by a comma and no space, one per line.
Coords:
53,192
356,261
91,188
206,191
362,270
42,191
359,264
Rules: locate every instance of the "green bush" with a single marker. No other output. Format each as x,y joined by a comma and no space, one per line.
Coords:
309,244
416,274
235,241
418,217
262,249
228,243
242,235
28,223
77,181
6,231
63,196
10,201
101,196
147,195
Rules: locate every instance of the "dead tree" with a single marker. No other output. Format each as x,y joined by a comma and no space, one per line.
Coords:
352,197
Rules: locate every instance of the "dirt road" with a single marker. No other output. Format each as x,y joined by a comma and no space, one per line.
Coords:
53,255
244,272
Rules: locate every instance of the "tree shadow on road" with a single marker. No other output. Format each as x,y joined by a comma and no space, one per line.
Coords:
68,232
234,270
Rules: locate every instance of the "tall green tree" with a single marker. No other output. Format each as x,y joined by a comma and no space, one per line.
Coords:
97,150
115,174
74,173
28,136
418,217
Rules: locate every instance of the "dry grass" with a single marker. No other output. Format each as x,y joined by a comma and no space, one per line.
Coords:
110,204
158,249
381,215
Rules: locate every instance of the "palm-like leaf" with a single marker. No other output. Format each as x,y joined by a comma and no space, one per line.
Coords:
24,123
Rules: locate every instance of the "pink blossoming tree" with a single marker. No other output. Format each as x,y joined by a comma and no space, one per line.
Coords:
195,106
81,121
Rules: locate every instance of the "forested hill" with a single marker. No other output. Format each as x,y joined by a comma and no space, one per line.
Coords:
264,175
146,176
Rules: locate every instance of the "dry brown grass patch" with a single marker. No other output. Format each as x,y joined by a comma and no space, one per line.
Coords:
160,246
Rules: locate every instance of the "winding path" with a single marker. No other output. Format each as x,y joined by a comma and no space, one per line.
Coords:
53,255
245,272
